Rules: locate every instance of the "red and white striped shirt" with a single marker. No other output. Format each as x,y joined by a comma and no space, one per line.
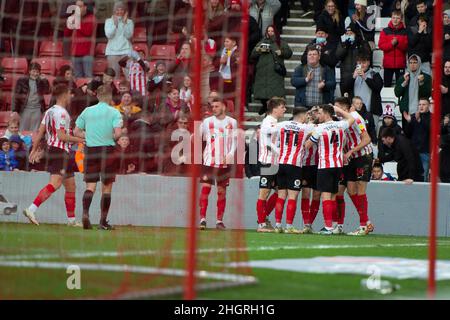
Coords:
56,118
137,76
292,136
310,157
268,142
354,136
221,140
330,137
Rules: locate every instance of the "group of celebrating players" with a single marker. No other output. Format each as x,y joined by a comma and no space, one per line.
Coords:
320,152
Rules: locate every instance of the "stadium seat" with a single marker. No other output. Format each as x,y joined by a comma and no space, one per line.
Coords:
100,50
99,66
48,65
50,79
10,81
51,49
141,46
4,118
162,52
6,101
388,94
381,23
378,58
62,62
14,65
140,34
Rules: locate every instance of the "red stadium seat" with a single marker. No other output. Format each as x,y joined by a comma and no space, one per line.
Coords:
10,81
99,66
141,46
162,52
100,50
51,49
48,65
140,34
6,101
82,81
14,65
50,79
4,118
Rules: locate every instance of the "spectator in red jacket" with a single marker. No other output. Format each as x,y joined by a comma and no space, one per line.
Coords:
394,43
83,40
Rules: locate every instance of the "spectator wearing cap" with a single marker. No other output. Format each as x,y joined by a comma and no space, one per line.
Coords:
367,85
29,100
314,82
333,21
119,31
388,120
414,84
350,46
394,44
361,20
263,11
106,80
326,49
20,152
83,39
446,45
420,42
445,107
269,83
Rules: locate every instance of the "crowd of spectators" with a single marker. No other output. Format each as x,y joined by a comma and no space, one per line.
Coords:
155,95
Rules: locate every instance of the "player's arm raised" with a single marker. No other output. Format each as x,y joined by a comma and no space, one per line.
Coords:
347,116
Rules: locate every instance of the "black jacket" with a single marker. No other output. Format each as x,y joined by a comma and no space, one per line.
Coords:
446,45
420,132
445,107
370,123
335,29
409,165
445,154
420,44
23,89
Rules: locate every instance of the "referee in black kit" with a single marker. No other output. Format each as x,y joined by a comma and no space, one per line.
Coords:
101,126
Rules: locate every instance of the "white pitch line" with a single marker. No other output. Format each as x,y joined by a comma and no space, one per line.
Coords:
128,268
113,254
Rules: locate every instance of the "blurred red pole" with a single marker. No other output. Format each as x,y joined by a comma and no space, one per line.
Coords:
434,143
189,289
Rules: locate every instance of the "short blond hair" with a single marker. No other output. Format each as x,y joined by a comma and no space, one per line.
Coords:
104,94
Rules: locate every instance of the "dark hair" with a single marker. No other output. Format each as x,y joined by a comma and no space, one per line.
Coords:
425,99
420,2
377,165
388,132
328,109
63,69
35,66
217,99
422,17
299,110
274,102
396,13
344,101
312,47
60,89
110,72
362,56
2,141
277,34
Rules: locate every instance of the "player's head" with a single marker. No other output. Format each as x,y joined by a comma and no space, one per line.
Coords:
377,171
388,136
218,107
104,94
325,113
276,107
299,114
343,103
313,115
62,94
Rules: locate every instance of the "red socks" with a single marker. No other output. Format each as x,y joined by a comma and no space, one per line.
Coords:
328,213
340,209
314,209
279,210
305,211
290,211
221,201
261,210
334,213
363,208
69,200
204,201
44,194
270,204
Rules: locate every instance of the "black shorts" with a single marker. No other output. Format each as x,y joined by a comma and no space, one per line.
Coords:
360,169
212,175
268,181
343,176
309,177
61,162
289,177
328,180
100,163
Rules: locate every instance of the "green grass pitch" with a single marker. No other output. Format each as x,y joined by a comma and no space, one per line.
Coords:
164,248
